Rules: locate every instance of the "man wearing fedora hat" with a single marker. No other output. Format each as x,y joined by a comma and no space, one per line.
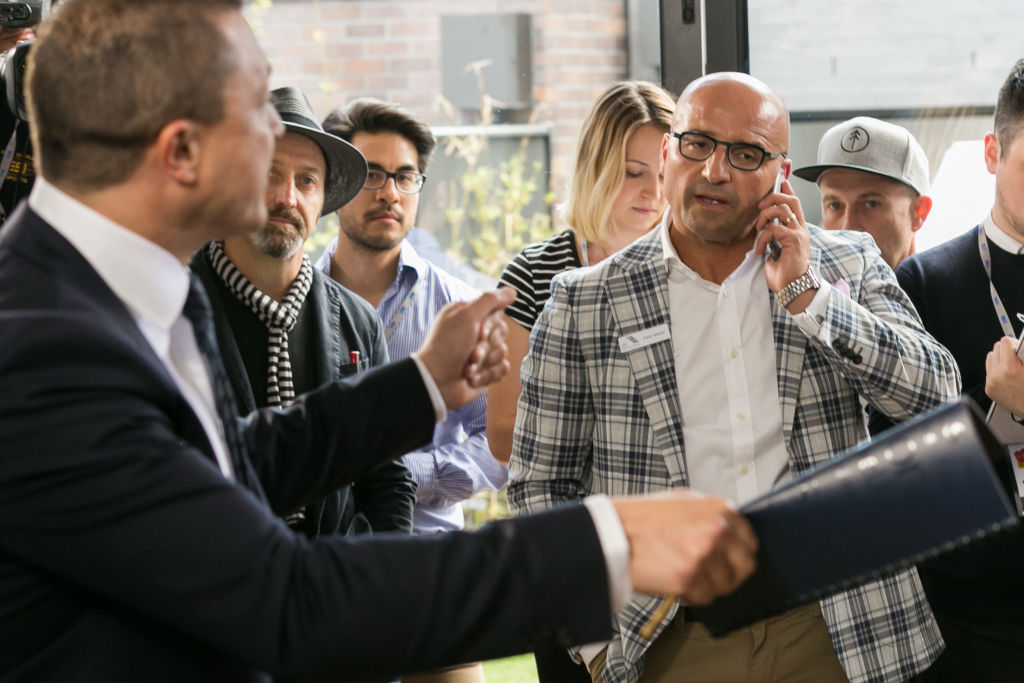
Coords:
873,177
284,328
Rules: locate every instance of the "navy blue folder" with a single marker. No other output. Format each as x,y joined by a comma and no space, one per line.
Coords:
928,486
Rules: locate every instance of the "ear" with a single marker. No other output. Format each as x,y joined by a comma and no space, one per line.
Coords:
179,148
919,209
666,140
992,152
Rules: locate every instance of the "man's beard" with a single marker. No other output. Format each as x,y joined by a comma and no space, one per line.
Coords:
358,234
277,241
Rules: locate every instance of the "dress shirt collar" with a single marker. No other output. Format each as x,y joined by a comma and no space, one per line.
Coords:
667,248
150,281
673,262
1000,237
408,257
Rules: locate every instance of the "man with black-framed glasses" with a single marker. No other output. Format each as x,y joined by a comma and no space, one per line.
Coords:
692,357
373,258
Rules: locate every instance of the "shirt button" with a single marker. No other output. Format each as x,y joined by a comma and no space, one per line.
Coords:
725,292
733,353
740,416
744,469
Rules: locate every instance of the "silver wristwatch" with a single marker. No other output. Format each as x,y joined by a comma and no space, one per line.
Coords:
797,287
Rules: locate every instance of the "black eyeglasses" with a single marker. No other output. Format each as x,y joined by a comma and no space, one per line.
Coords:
741,155
406,182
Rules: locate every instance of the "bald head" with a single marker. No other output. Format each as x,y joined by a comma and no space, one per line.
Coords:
733,118
740,92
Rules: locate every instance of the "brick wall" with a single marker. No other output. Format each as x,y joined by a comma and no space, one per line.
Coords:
336,50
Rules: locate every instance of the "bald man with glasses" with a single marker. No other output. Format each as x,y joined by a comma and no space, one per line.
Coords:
692,357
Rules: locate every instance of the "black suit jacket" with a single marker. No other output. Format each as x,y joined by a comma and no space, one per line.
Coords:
125,555
338,322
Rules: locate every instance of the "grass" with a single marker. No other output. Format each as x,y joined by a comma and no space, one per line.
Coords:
519,669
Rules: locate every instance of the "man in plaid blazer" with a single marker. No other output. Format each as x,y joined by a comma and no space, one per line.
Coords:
692,358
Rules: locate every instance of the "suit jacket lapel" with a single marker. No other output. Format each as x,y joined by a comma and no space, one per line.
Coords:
638,297
327,312
36,241
230,354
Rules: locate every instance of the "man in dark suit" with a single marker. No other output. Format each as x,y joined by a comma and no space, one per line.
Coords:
137,534
284,328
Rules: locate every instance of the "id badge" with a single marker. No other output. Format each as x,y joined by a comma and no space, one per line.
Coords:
1016,451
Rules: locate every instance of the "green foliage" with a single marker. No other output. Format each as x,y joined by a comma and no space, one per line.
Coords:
520,669
323,232
489,204
485,507
488,210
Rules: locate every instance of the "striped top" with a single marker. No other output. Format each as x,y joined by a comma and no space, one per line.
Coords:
530,274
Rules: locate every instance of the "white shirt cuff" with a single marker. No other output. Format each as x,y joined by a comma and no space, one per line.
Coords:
811,318
436,400
615,547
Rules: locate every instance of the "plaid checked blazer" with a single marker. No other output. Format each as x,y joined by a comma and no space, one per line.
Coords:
593,419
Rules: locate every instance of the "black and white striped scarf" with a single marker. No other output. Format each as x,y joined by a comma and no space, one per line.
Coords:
279,318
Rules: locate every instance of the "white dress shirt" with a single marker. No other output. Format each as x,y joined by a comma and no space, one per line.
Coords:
724,349
153,285
1000,237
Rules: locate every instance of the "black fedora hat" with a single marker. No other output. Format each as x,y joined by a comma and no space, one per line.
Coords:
346,167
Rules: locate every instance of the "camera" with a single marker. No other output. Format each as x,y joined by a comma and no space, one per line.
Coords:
17,171
23,13
12,80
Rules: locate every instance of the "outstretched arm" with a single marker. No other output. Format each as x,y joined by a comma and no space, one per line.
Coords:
503,396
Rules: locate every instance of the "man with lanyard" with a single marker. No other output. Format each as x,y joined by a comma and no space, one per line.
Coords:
284,328
372,257
968,292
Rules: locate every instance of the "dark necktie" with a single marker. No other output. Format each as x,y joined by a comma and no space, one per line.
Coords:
197,311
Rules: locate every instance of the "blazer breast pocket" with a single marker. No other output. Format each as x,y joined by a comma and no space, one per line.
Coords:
351,369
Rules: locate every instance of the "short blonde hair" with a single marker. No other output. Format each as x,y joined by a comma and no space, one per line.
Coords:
601,152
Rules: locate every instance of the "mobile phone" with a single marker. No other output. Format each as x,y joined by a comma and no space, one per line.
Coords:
774,248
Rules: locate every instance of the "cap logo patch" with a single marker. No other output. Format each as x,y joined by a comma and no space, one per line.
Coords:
855,141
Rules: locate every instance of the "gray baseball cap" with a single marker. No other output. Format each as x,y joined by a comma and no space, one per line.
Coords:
867,144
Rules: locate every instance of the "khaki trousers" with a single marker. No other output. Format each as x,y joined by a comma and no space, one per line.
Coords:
463,673
793,647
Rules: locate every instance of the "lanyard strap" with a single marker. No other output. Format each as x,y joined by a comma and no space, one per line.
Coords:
997,303
585,257
404,307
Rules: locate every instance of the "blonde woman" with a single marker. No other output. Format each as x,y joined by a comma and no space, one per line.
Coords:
615,197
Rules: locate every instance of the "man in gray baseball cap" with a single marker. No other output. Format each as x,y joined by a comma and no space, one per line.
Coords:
873,177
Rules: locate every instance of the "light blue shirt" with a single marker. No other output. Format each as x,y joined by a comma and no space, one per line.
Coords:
458,463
